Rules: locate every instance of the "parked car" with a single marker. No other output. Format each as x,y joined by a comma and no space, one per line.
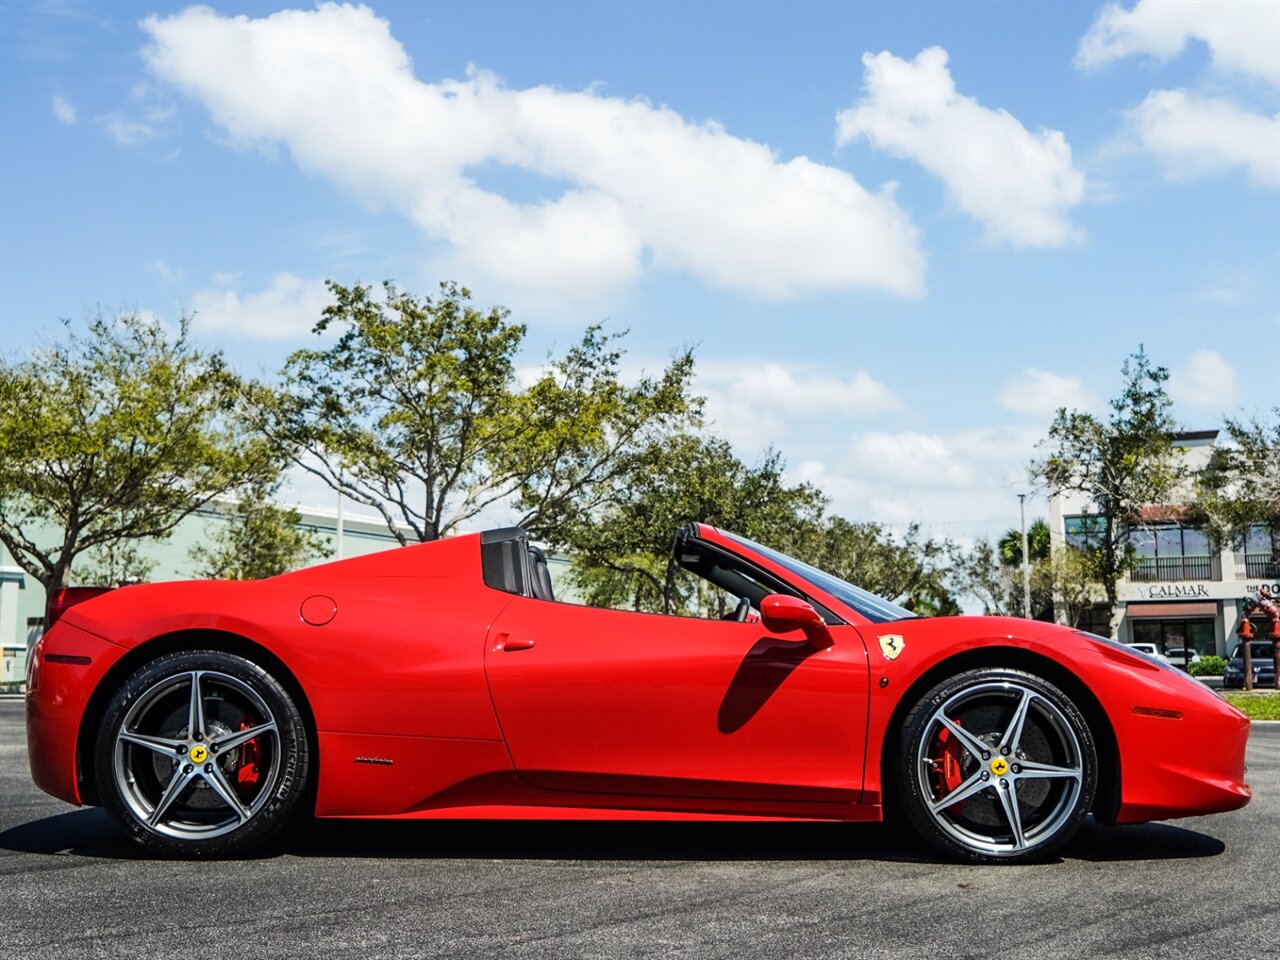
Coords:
445,680
1181,657
1150,649
1262,653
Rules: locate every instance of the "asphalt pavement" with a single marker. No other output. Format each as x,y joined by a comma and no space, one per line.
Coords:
71,886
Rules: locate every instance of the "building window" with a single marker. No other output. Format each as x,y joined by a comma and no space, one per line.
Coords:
1086,531
1171,551
1262,551
1095,619
1195,636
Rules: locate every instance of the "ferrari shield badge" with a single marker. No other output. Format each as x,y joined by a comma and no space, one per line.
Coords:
891,645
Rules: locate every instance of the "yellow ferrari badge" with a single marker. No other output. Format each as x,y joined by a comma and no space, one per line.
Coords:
999,766
891,645
199,753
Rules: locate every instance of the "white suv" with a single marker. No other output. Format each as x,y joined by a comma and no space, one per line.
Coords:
1150,650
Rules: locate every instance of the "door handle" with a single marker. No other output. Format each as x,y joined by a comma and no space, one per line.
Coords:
510,645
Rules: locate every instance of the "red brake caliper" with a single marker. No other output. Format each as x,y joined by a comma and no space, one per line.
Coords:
247,770
947,763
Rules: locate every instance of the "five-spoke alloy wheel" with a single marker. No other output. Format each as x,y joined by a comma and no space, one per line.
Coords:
202,753
996,765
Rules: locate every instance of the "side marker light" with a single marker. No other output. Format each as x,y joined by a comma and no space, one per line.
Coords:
1157,712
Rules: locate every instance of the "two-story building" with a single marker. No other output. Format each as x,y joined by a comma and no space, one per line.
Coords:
1183,592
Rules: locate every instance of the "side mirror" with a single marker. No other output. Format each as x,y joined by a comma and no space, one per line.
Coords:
780,613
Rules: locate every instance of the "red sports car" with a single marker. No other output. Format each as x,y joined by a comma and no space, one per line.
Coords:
446,681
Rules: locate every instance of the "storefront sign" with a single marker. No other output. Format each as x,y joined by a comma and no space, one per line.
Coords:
1173,591
1268,590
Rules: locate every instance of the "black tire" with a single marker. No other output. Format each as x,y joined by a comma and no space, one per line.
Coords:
1019,794
227,782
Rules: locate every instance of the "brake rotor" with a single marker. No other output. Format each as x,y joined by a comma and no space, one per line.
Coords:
200,796
953,765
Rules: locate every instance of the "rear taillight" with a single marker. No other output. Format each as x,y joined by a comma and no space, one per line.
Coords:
64,598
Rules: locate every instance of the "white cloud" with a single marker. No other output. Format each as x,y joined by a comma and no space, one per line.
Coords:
635,181
1205,382
1195,136
289,307
957,485
148,116
841,485
998,456
919,459
798,388
64,110
166,273
1191,134
1020,185
1231,286
1243,36
754,403
127,132
1039,393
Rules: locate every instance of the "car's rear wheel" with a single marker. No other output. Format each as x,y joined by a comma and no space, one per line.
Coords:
202,753
995,766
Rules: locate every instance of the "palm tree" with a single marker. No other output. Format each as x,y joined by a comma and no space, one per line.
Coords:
1010,544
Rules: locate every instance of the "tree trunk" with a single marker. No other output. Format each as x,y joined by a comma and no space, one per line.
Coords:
55,581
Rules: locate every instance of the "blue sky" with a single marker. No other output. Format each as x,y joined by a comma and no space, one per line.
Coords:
898,235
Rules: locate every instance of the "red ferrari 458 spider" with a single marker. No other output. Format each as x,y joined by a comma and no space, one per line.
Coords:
446,681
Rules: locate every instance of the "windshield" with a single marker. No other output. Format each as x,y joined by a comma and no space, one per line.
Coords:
1257,649
876,609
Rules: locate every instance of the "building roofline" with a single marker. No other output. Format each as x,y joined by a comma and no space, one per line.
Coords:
1194,435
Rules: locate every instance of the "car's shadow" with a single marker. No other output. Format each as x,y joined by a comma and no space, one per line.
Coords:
91,833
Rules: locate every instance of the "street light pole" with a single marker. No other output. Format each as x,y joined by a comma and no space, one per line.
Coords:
1026,560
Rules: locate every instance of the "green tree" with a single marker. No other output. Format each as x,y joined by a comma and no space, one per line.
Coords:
979,573
992,574
1117,465
1241,485
114,436
417,412
622,556
621,553
1074,584
911,570
113,565
259,539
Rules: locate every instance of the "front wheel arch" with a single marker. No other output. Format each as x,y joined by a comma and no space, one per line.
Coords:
1106,801
176,642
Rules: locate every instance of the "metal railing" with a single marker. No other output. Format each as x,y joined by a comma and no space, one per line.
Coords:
1261,565
1149,569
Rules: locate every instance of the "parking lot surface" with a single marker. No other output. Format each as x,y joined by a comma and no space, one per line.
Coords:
73,887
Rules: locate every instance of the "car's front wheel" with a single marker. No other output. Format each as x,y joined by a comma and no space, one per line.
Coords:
202,753
995,765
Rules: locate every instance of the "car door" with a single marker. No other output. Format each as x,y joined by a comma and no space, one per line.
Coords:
633,703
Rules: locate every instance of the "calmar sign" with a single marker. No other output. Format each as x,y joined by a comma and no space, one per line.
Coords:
1174,591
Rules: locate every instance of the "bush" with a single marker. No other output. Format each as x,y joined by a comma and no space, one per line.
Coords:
1208,667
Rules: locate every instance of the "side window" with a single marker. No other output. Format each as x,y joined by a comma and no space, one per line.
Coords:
722,586
702,580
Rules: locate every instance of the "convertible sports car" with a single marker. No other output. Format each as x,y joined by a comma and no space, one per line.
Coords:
446,681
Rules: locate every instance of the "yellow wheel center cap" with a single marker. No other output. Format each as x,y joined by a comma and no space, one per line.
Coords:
199,753
999,766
